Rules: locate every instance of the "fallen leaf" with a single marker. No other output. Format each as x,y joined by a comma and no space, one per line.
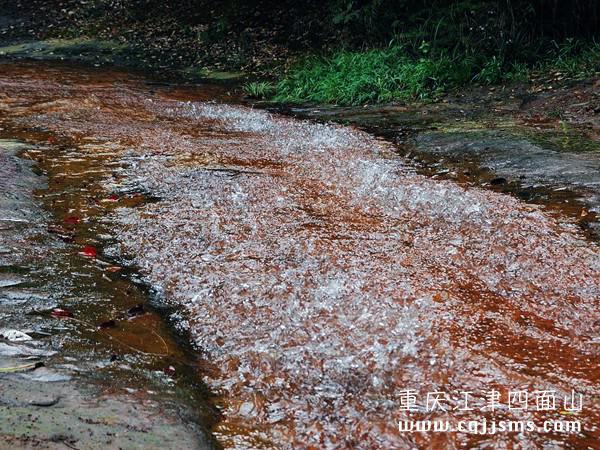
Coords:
60,313
21,368
72,220
169,371
89,251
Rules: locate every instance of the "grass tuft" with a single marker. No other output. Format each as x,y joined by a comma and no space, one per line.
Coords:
393,73
259,89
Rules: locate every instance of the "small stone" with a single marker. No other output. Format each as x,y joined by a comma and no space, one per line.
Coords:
44,401
246,409
14,335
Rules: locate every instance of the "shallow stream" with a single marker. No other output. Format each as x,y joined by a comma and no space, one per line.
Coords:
281,283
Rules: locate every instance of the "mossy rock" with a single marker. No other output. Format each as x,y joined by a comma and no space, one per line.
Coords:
78,49
198,73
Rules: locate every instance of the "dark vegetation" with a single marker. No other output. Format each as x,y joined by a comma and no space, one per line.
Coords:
341,51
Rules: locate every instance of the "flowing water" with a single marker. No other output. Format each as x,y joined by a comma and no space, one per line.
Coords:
318,275
481,144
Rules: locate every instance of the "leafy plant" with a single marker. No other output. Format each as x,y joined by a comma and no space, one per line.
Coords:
418,72
378,75
259,89
572,59
491,72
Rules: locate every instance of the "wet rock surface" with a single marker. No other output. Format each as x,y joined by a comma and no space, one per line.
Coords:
52,413
51,392
550,172
508,156
319,275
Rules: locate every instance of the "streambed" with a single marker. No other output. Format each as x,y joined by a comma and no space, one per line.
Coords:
318,274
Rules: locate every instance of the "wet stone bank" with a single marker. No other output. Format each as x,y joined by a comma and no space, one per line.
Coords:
317,274
85,361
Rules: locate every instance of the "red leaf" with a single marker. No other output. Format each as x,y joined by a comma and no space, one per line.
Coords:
89,251
169,371
59,313
72,220
113,198
51,139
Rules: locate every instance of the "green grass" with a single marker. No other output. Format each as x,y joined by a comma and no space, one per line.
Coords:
380,75
259,89
389,74
572,60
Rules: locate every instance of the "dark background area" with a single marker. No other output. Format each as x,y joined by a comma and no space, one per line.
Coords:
249,33
335,51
